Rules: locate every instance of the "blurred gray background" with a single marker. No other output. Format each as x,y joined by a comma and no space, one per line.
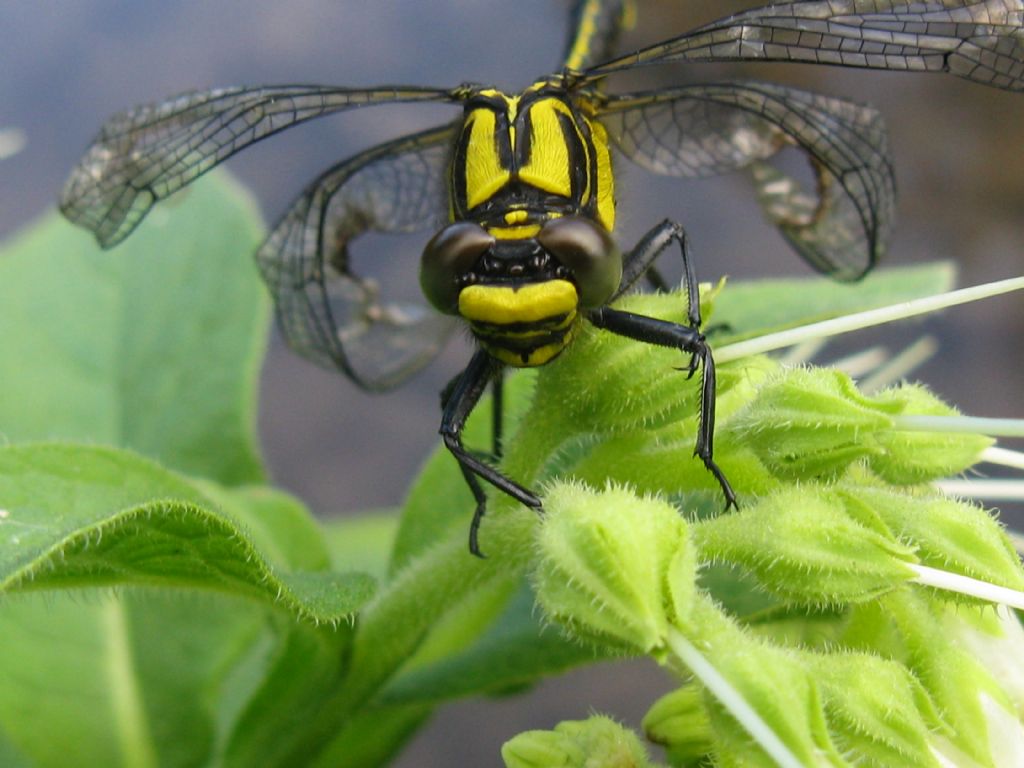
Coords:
66,65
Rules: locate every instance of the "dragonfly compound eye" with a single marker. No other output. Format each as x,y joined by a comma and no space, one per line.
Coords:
448,259
590,254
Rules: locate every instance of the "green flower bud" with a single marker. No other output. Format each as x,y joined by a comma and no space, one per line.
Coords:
917,628
813,423
946,534
802,545
995,638
679,722
875,709
608,384
775,684
809,423
614,567
541,749
597,742
662,460
910,456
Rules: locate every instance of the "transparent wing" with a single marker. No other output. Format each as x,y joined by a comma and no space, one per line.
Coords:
328,313
841,226
980,40
594,29
147,153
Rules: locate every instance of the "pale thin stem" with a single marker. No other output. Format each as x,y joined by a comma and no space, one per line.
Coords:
12,141
965,585
131,725
989,490
865,319
859,363
732,700
901,365
975,425
803,352
1004,457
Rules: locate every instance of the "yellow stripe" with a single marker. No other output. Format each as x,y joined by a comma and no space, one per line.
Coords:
534,358
584,36
548,168
540,332
484,174
514,233
605,178
530,303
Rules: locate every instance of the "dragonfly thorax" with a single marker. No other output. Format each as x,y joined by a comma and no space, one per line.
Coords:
520,159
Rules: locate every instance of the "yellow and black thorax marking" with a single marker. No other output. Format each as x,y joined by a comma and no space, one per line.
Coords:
520,161
528,157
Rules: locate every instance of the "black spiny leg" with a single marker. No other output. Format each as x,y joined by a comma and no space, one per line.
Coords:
497,407
687,338
460,400
497,412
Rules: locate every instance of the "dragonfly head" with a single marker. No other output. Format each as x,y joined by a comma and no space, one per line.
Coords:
573,249
522,296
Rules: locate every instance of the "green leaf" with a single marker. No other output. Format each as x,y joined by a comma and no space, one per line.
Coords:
517,650
309,663
362,543
84,517
402,615
438,503
372,736
154,346
11,756
89,516
133,681
282,528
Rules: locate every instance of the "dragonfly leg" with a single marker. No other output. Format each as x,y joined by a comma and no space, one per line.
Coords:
461,398
687,337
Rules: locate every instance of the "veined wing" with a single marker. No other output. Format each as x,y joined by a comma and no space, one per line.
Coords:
147,153
841,226
328,313
980,40
594,29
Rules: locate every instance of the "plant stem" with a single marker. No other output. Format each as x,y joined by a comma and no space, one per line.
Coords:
871,317
731,699
965,585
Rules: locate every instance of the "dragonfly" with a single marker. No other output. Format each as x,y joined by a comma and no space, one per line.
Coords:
517,190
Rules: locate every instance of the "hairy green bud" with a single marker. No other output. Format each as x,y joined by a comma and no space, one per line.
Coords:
801,545
614,567
597,742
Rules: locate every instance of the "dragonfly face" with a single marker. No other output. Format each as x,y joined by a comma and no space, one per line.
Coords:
532,208
519,191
